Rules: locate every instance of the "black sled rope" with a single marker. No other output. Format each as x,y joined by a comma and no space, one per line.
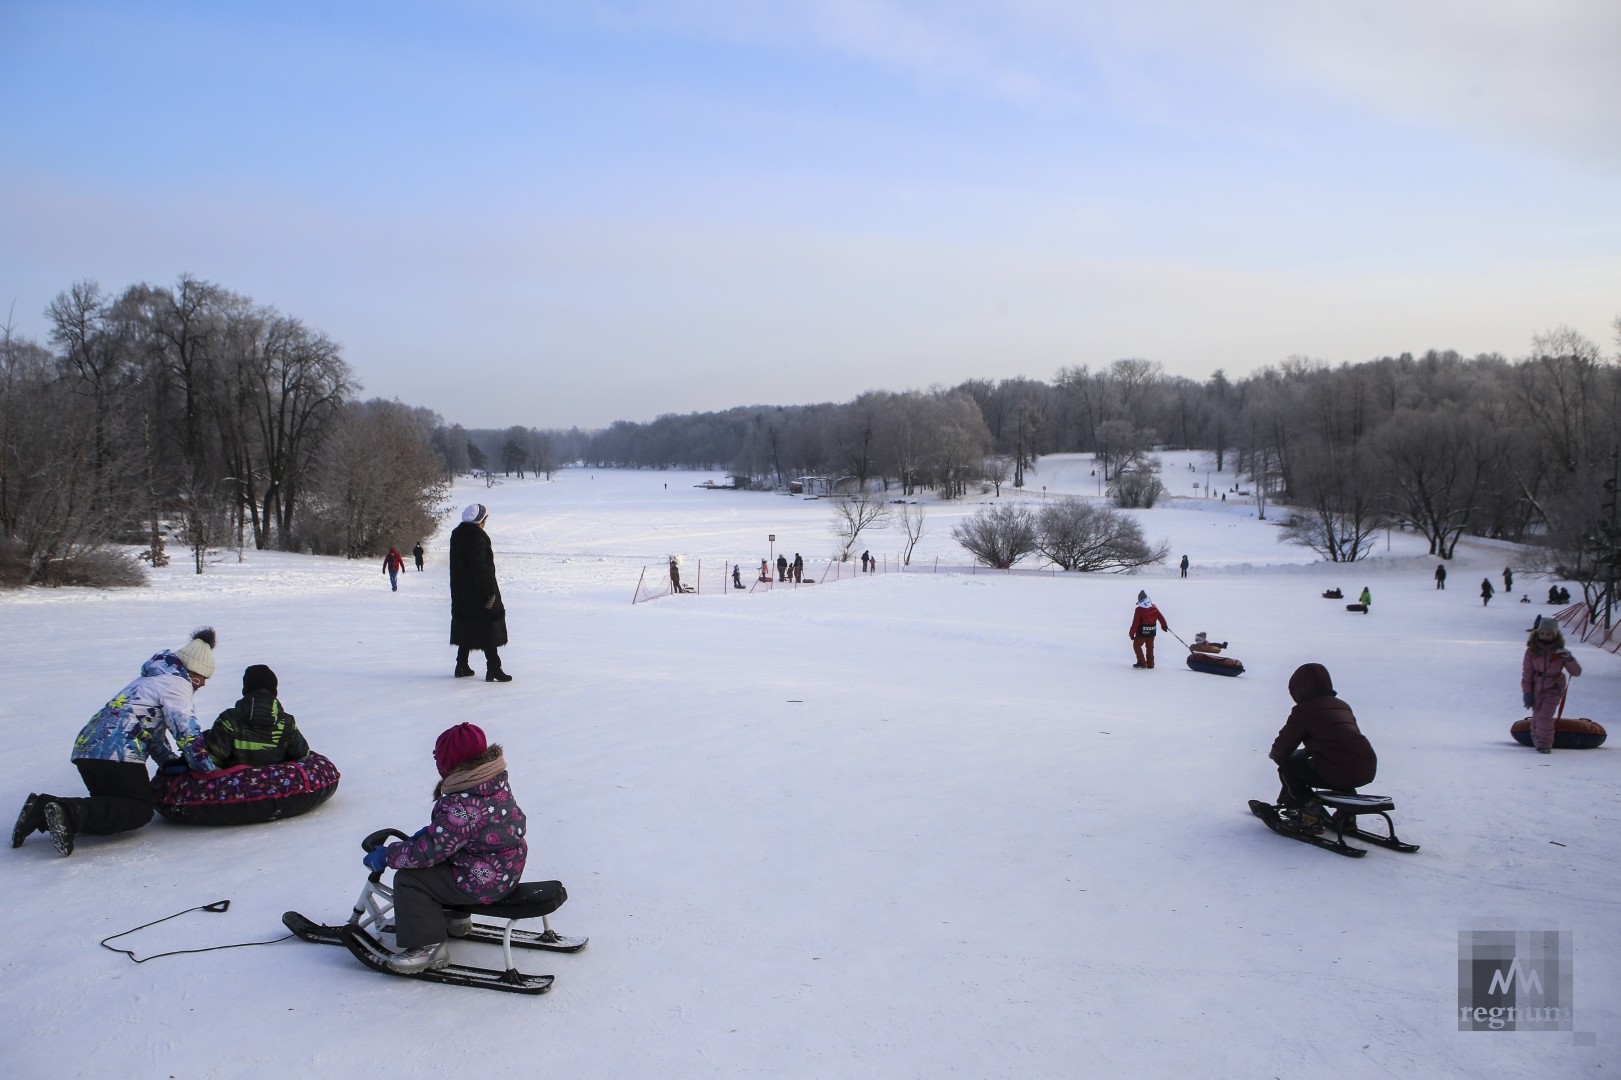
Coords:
218,907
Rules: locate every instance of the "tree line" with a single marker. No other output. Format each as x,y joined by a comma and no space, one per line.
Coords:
1447,445
191,413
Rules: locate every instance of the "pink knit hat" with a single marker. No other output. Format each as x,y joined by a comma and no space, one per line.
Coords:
457,745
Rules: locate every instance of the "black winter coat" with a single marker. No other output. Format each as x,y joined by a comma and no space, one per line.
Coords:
472,584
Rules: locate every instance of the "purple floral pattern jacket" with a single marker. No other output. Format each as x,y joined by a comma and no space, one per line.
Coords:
479,832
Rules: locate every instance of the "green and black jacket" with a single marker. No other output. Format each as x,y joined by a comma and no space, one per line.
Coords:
255,731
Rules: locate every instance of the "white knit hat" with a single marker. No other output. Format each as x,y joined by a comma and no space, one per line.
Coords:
198,653
475,513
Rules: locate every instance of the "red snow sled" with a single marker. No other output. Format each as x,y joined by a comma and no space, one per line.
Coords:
246,794
1211,664
1569,733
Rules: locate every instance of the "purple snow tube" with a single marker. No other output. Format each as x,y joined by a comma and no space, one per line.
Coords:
246,794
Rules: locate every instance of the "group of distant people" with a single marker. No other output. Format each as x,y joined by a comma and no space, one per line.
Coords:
1557,594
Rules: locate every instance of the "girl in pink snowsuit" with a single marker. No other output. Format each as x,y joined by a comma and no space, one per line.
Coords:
1542,679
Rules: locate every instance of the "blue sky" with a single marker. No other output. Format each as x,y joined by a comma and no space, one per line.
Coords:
570,213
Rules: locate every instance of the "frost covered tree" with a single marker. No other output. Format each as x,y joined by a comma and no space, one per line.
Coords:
998,536
1080,535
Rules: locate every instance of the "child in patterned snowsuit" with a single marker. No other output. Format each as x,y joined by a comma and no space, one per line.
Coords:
472,851
111,750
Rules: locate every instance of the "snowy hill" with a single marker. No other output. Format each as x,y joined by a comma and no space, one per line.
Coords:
901,825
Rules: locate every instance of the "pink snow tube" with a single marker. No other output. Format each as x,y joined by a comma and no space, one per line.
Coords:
246,794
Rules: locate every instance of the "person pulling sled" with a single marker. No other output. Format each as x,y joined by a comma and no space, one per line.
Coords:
1143,627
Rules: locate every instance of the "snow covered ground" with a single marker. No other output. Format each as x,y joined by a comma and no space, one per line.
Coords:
901,825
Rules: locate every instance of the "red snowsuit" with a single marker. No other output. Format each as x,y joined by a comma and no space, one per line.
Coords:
1142,631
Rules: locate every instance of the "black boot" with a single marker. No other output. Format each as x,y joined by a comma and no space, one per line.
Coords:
464,672
495,674
31,820
59,823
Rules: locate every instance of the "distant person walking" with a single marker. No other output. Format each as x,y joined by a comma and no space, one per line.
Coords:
1440,577
478,618
1143,628
392,565
799,569
675,574
1184,566
782,568
1542,679
1366,599
1486,591
416,553
1508,579
737,576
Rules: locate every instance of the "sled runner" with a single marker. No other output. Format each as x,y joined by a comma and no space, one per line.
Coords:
1211,664
1347,806
372,917
246,794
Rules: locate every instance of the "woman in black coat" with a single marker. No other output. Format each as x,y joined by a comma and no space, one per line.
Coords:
478,619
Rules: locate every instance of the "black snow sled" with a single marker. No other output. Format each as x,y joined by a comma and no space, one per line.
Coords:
1357,607
1333,594
1211,664
372,917
1346,807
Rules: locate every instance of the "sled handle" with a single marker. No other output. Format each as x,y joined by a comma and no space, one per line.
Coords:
381,837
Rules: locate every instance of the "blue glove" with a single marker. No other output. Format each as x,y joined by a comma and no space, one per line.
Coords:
177,767
420,833
376,859
1527,698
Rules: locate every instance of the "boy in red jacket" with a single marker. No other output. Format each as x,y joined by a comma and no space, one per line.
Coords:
1143,620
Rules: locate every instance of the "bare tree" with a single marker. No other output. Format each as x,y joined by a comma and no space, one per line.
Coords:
1136,486
998,536
996,470
1080,535
380,482
854,514
1433,465
912,523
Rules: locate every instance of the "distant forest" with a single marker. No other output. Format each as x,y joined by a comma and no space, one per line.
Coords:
191,413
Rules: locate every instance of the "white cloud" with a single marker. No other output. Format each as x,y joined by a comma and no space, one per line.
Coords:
1541,73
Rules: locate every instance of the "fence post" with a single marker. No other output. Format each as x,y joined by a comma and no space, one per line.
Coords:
638,587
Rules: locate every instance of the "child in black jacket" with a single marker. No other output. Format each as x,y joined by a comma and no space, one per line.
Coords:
256,730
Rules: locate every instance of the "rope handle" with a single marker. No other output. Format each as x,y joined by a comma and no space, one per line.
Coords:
218,907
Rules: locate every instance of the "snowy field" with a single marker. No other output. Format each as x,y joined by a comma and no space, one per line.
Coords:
902,825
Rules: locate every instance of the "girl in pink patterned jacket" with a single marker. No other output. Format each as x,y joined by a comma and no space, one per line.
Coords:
471,852
1542,679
